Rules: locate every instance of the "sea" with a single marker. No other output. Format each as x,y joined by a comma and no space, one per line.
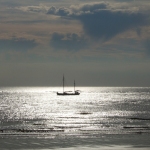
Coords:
100,118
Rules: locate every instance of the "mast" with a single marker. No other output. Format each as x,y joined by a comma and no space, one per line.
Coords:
63,83
74,85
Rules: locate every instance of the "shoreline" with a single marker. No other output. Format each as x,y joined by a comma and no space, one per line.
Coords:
122,141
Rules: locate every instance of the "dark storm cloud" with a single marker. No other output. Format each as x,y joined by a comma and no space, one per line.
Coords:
16,44
70,41
100,21
106,24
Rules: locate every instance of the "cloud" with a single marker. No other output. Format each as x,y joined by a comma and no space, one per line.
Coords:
76,10
101,21
60,12
17,44
70,41
89,8
36,9
106,24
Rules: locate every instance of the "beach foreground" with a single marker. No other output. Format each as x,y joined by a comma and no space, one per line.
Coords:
106,142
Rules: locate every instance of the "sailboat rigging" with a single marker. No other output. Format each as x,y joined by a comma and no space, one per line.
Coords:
76,92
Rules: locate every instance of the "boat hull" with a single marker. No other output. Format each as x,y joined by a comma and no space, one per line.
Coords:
65,94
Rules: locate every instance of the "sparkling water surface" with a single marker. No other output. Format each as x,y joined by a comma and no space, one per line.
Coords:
99,118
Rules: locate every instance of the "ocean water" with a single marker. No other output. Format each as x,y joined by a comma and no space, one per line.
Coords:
99,118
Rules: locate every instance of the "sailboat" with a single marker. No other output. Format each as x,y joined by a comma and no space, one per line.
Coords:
76,92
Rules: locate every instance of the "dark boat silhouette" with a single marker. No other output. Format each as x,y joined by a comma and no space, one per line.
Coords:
76,92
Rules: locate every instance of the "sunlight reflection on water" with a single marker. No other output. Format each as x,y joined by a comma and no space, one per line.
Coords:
38,111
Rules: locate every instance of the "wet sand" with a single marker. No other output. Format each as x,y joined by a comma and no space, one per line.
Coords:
106,142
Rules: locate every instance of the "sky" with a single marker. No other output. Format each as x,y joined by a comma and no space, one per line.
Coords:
97,43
